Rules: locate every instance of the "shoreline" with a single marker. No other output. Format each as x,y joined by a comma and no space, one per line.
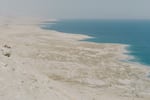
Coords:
45,64
139,55
125,47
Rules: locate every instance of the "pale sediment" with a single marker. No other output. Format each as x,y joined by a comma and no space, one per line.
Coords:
49,65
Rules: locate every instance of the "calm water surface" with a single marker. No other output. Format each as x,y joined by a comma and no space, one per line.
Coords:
132,32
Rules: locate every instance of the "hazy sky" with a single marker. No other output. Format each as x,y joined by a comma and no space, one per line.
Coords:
77,8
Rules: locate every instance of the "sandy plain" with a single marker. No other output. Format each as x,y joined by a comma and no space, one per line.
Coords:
38,64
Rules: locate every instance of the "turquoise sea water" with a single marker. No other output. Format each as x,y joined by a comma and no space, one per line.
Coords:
132,32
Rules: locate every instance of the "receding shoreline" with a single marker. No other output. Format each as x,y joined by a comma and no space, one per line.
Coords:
45,64
125,47
87,27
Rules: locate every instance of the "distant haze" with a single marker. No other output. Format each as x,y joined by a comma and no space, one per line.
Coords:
99,9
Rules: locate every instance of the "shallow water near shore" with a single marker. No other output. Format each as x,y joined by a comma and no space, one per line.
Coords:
135,33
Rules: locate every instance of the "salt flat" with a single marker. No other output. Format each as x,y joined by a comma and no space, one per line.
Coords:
38,64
